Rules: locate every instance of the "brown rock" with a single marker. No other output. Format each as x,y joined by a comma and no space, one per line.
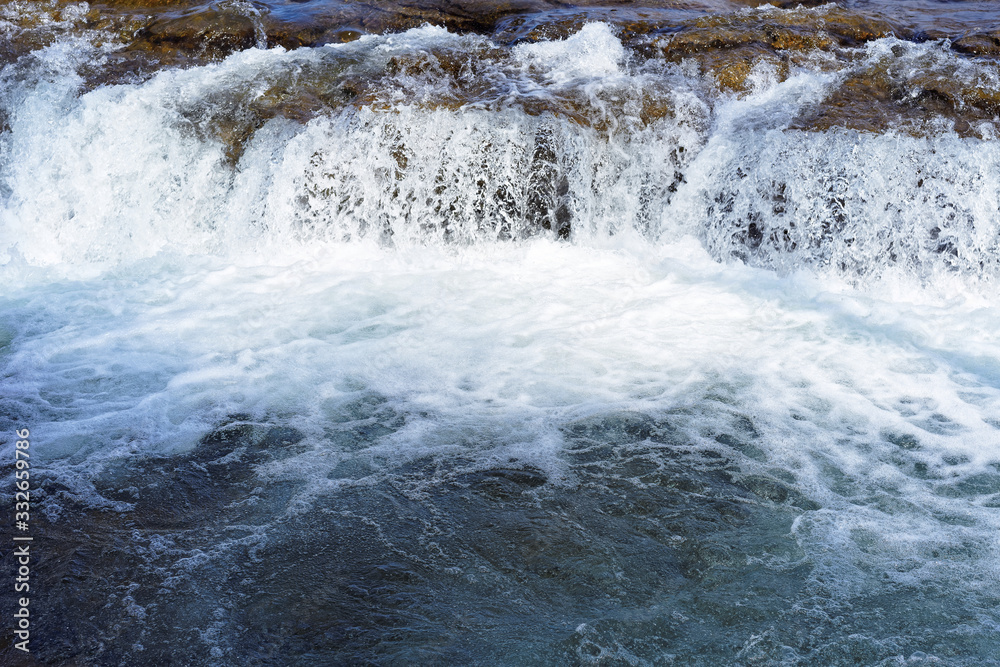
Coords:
215,33
785,31
881,98
986,44
730,69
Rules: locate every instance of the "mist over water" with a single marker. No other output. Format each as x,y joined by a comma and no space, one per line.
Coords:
543,353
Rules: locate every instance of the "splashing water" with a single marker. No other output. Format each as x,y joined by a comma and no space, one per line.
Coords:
554,353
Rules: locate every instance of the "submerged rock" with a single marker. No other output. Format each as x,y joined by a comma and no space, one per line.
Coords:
430,553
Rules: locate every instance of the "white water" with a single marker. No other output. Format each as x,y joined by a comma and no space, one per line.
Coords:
151,289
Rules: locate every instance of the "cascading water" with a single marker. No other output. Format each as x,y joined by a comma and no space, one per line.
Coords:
525,348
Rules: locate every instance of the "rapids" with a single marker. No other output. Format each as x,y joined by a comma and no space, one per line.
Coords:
573,343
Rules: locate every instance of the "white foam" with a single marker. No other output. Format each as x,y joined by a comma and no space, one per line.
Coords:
160,289
594,52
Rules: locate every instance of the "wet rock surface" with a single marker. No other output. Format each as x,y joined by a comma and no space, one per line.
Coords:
730,44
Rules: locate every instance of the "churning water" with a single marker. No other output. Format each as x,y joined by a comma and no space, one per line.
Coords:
552,352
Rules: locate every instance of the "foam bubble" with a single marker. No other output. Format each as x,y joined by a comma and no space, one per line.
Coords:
594,52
